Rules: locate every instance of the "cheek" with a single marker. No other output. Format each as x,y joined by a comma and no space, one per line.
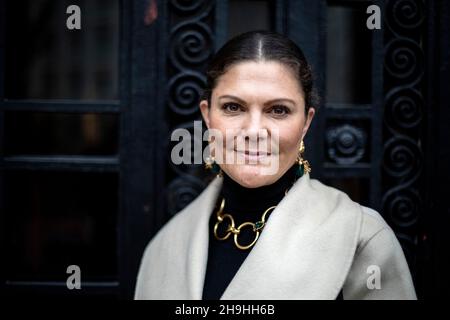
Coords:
217,124
219,127
219,121
290,142
228,127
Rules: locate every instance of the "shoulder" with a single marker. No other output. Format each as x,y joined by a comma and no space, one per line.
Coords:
378,255
372,225
371,221
374,228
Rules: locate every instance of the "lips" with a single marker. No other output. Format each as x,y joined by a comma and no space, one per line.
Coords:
254,153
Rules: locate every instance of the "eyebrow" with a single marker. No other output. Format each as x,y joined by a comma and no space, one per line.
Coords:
268,102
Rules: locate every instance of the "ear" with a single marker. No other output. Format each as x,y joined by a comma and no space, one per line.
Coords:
308,120
204,108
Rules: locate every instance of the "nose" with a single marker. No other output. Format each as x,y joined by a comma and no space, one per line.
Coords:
254,128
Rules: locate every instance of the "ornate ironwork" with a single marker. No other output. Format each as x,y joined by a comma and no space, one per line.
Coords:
403,116
403,16
404,107
190,47
185,89
346,144
404,59
181,191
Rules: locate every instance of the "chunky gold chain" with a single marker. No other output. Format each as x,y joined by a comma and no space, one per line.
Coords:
256,226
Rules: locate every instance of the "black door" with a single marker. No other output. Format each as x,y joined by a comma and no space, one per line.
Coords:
86,116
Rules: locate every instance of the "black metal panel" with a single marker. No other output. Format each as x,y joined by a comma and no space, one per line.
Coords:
138,151
281,14
2,49
404,118
2,126
433,254
221,23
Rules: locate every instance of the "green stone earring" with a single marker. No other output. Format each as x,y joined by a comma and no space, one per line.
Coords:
210,164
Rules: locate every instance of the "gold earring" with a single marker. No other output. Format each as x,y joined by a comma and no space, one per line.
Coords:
210,164
303,165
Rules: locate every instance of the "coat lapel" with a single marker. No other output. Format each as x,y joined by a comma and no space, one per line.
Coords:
302,252
197,254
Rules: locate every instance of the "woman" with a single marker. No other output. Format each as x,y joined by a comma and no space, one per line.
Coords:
256,233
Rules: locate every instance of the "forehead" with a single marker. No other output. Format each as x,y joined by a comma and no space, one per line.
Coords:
267,78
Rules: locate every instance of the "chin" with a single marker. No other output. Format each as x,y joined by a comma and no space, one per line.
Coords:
250,176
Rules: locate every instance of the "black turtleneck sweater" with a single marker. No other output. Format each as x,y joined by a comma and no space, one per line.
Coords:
244,204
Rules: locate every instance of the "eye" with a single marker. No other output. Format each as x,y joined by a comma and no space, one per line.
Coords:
279,110
231,107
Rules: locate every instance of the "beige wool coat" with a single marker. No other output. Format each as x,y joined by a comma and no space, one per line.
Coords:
316,242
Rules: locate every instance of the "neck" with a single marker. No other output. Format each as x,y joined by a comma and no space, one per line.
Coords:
254,201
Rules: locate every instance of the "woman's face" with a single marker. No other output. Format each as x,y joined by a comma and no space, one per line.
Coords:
253,105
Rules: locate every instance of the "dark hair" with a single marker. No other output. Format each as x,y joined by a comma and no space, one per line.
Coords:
261,45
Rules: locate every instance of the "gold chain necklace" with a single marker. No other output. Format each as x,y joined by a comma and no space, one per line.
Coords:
256,226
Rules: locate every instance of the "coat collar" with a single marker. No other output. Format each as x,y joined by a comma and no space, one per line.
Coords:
304,252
